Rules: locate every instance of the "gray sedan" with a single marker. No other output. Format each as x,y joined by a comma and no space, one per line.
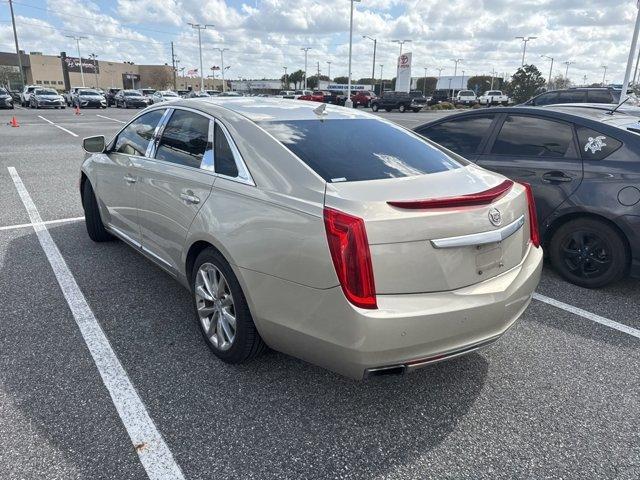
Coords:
319,231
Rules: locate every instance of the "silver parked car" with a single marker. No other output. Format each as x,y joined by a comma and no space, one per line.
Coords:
163,96
323,232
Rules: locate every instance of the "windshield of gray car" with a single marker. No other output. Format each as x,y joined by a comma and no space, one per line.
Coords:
91,93
359,149
45,92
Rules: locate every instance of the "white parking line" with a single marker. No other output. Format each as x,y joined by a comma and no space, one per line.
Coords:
109,118
588,315
48,222
155,456
58,126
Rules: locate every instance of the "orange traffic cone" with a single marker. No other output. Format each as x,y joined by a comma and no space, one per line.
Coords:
14,122
78,110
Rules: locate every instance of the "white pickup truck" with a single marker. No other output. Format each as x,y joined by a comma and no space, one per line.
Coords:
493,97
466,97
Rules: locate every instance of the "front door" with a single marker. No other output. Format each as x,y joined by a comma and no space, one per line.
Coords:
539,151
118,177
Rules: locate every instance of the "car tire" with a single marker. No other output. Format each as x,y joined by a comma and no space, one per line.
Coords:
388,109
246,342
589,253
416,110
375,107
402,108
92,219
124,105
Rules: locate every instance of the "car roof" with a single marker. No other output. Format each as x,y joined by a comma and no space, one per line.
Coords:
267,109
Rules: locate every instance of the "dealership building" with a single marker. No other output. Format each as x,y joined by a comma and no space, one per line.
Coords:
63,72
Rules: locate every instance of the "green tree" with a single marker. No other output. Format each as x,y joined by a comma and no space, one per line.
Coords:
312,82
341,80
525,83
482,83
365,81
297,78
430,84
559,82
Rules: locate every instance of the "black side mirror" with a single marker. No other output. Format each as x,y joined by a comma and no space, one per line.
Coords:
94,144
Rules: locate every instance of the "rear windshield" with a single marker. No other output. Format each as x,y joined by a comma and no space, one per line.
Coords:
495,93
359,149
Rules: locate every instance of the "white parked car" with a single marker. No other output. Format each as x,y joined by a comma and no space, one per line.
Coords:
300,93
493,97
164,96
25,96
287,94
466,97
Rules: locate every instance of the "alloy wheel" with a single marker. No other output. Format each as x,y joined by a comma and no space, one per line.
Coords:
215,306
586,254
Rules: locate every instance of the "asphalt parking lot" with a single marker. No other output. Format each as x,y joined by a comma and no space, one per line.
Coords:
556,397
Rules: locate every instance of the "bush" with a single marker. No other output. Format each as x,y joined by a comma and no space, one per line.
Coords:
443,106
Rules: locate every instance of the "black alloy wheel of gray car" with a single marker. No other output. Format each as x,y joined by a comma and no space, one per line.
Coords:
222,310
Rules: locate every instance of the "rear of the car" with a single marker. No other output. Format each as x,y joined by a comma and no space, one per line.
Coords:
434,256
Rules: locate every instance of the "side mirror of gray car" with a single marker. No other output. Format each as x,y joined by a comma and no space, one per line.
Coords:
94,144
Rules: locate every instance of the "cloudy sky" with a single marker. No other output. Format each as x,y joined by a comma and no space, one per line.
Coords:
262,36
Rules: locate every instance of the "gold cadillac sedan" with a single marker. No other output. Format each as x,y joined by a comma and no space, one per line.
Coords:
322,232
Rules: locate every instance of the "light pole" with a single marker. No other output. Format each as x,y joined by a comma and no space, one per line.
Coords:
440,69
493,74
566,73
551,69
349,103
329,70
15,39
401,42
525,40
77,39
224,83
95,67
632,51
381,80
604,75
424,85
462,81
286,83
199,27
455,70
306,51
373,69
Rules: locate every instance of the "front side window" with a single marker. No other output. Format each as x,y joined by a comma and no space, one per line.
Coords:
522,135
135,138
462,135
224,161
185,139
595,145
359,149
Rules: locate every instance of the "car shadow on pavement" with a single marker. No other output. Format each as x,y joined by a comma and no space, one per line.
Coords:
275,417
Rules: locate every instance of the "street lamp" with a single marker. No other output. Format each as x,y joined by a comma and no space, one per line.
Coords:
424,85
77,39
95,67
604,75
306,51
525,40
199,27
329,70
455,71
401,42
222,69
381,80
286,83
566,73
373,70
349,103
551,69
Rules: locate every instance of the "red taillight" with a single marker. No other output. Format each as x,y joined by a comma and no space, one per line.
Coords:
349,249
472,199
533,217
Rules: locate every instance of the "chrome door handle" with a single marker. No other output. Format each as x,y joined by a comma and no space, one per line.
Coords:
129,179
189,198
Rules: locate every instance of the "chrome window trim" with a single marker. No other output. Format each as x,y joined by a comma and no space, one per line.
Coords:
111,142
155,138
483,238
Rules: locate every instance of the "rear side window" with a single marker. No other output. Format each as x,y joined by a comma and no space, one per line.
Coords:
185,139
533,137
135,138
359,149
595,145
224,161
546,99
572,96
462,136
599,96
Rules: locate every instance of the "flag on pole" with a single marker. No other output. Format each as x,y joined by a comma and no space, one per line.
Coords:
192,73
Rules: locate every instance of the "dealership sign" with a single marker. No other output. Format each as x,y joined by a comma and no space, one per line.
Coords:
342,87
403,77
72,64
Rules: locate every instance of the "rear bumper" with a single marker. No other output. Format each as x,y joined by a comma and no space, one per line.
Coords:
320,326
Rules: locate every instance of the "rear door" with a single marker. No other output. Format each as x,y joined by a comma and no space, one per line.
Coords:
540,151
174,184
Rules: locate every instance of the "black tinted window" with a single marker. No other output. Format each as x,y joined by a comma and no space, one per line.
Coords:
595,145
463,135
224,161
572,96
599,96
134,139
359,149
547,99
185,139
533,137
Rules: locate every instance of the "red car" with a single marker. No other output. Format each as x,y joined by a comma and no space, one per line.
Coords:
316,96
362,97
